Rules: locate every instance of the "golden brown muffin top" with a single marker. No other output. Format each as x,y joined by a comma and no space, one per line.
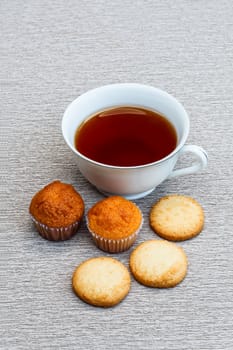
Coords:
57,205
114,218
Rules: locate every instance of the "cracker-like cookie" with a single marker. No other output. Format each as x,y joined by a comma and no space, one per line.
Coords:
177,217
158,263
101,281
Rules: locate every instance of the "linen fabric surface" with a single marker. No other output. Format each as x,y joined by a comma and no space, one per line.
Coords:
50,53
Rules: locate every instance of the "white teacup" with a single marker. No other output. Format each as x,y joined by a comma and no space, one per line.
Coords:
134,181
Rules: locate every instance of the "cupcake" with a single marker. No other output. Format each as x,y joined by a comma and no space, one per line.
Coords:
114,223
57,210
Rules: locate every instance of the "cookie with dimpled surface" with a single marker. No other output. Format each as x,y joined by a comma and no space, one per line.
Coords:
101,281
158,263
177,217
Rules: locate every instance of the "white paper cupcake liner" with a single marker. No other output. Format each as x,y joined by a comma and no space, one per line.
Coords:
56,233
114,245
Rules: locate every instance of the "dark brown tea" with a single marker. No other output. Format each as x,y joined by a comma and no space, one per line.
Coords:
126,136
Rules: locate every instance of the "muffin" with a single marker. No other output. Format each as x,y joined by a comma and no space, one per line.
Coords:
57,210
114,223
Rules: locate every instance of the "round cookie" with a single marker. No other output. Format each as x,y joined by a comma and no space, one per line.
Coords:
101,281
177,217
158,263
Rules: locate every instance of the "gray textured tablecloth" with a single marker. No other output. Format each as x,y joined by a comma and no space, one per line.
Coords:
51,52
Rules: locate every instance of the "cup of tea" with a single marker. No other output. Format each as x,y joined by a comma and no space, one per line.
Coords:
127,138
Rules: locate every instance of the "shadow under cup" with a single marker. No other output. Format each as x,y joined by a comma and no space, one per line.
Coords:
129,181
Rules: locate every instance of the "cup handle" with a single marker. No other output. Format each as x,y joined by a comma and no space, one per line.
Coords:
198,165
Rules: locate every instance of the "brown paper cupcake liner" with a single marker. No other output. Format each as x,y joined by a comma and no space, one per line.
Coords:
56,233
